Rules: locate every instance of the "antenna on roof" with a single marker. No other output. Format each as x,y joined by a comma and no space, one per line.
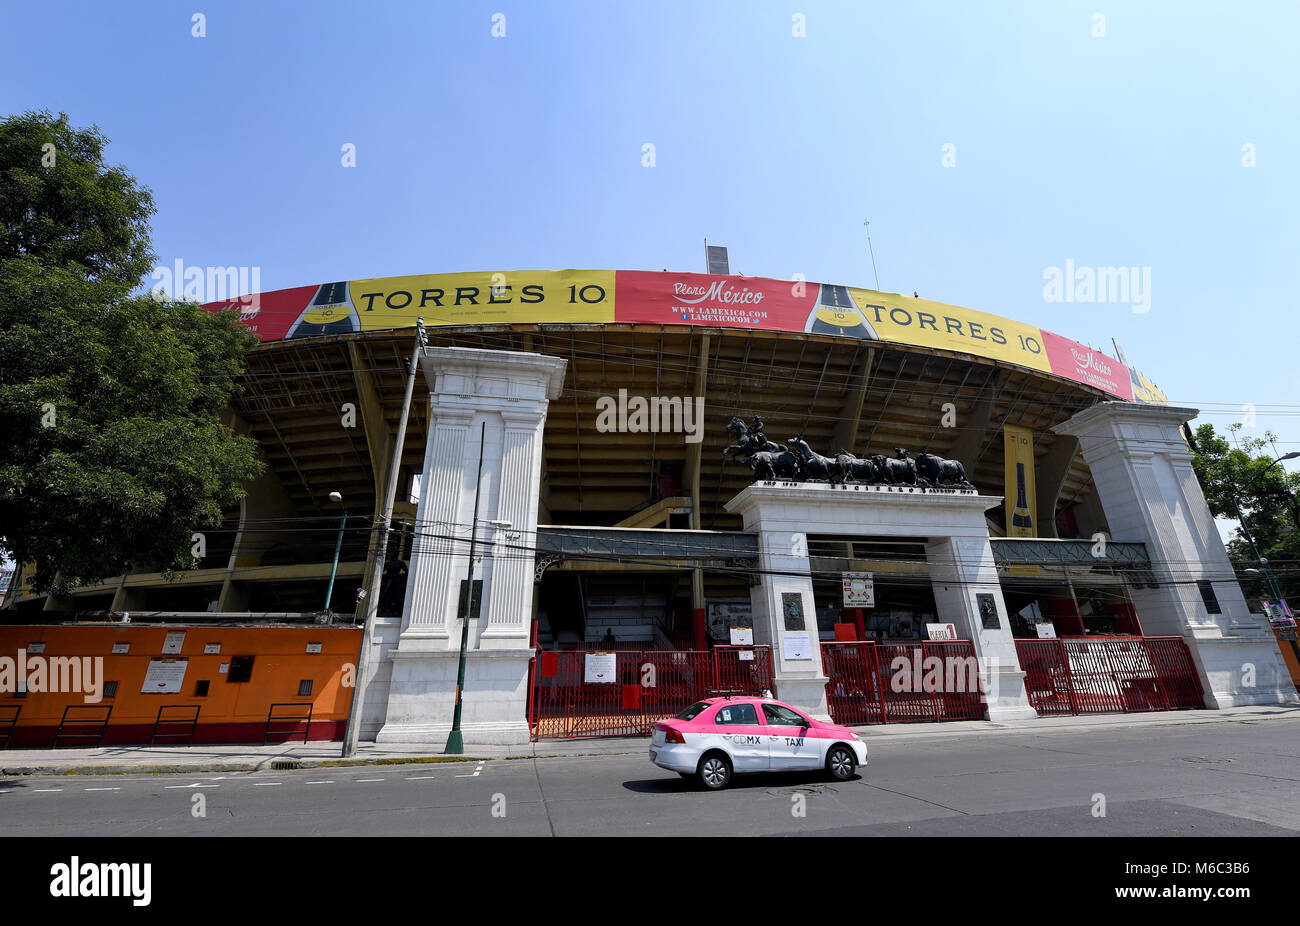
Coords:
873,253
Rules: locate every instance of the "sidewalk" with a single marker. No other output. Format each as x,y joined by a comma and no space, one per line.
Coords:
143,760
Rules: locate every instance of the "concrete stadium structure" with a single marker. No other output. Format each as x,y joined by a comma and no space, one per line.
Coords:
647,537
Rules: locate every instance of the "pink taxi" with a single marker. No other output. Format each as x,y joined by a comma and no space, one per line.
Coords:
720,737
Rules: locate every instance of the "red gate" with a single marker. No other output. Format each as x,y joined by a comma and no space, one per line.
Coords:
902,682
1079,675
567,700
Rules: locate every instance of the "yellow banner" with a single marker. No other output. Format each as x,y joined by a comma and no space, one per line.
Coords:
949,327
1020,502
487,298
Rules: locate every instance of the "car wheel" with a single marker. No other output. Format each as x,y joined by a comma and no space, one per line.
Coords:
715,771
841,763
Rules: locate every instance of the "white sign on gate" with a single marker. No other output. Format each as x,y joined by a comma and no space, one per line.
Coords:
600,668
742,636
1046,631
941,631
859,589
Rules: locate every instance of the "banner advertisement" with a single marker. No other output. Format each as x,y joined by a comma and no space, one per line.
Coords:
1020,504
643,297
1085,365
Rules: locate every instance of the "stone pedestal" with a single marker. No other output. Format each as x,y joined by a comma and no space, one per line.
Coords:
1142,468
961,570
498,399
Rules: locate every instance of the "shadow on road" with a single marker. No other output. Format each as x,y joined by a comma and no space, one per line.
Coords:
675,783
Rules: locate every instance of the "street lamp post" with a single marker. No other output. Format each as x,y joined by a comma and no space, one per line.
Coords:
338,547
455,742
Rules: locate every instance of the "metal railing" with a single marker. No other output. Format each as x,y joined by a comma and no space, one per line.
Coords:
902,682
7,724
1083,675
189,719
92,719
294,716
624,693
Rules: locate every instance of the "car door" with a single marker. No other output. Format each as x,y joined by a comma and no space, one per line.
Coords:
790,745
737,723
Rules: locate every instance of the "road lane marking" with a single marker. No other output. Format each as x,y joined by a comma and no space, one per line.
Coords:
267,784
369,779
103,789
422,778
183,787
476,771
47,790
319,782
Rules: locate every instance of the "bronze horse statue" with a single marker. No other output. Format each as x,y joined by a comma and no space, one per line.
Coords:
814,463
749,442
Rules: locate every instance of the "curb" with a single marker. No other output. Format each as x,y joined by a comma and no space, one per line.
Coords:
872,734
253,765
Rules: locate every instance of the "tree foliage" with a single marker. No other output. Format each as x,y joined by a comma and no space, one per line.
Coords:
1239,483
114,449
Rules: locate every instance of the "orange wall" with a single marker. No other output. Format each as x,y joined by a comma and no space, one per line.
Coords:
1288,654
280,662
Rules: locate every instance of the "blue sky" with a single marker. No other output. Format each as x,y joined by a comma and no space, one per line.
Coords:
475,152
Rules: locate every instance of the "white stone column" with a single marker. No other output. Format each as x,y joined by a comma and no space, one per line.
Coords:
502,397
961,571
796,668
1142,468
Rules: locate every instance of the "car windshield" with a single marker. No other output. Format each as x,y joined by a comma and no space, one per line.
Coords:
693,711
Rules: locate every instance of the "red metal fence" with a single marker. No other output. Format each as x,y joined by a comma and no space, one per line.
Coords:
1078,675
902,682
643,686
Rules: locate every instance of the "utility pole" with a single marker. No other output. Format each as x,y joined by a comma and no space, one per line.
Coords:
379,540
867,223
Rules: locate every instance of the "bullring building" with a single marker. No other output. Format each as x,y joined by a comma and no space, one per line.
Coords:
625,522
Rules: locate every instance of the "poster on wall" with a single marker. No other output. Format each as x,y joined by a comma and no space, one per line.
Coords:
164,676
173,642
796,646
742,636
724,614
1045,630
859,589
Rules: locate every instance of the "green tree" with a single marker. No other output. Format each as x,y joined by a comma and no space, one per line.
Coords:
1239,482
114,451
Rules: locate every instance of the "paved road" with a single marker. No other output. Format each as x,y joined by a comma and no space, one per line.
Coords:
1213,779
